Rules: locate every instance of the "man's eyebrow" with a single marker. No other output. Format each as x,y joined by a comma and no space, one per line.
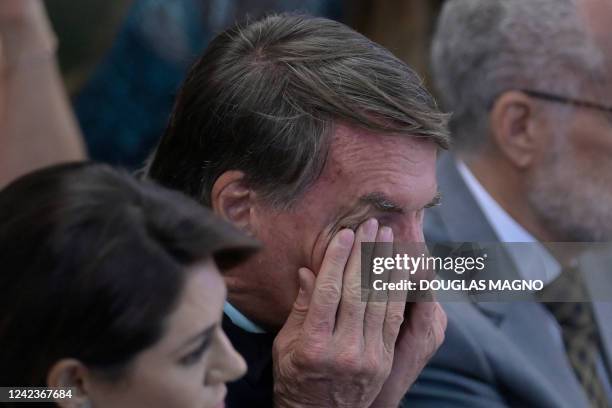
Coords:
381,202
435,201
378,201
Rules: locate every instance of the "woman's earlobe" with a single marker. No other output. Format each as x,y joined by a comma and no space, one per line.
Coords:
233,200
70,374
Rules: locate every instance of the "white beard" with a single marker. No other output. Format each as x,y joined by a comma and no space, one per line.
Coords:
574,202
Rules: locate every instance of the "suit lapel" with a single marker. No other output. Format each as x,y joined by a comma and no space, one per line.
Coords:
463,221
462,217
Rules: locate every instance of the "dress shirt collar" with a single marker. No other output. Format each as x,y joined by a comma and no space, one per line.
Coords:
532,260
241,320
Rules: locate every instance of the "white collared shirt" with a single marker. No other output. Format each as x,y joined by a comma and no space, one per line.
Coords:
241,320
532,261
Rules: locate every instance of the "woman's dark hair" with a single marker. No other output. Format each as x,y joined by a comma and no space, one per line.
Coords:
92,262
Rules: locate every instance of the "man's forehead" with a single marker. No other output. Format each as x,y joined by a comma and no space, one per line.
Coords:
396,172
353,142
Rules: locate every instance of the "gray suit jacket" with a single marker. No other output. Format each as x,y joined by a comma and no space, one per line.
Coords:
498,354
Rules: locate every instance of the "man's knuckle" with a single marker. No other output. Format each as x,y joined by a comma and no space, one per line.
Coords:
338,258
353,290
349,362
278,345
312,356
319,327
329,290
299,309
350,350
372,366
395,319
351,312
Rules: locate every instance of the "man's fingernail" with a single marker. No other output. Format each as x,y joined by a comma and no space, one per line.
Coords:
345,237
386,234
301,297
370,226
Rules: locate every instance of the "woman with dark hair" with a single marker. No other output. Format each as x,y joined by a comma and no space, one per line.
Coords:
110,287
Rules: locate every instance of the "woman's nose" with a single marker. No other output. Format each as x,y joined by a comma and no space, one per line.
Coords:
226,364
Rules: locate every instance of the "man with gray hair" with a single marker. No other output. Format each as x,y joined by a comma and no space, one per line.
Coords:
312,138
529,83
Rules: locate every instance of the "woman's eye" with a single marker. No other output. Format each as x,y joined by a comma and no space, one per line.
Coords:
195,356
191,358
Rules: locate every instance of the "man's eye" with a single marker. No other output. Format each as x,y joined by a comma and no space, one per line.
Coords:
435,201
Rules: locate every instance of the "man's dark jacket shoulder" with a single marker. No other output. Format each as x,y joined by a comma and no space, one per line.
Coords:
255,389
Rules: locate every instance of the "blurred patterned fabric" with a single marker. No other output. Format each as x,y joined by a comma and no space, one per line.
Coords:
124,107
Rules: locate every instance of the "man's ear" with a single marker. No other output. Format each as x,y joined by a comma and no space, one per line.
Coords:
70,373
233,200
513,125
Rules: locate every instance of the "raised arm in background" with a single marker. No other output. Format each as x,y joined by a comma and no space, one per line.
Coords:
37,125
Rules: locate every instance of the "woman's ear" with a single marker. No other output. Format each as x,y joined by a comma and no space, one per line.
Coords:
514,128
233,200
70,373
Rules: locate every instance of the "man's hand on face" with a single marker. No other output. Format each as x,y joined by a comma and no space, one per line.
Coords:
336,350
419,338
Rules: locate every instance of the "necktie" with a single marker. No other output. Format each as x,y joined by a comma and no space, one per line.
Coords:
579,331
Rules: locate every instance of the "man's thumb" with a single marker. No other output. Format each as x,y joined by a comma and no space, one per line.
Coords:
302,302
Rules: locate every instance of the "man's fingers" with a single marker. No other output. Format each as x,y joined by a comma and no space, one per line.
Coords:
422,316
377,300
441,321
427,326
321,316
352,308
301,305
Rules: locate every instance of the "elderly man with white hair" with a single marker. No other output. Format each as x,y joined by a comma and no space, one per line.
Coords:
529,83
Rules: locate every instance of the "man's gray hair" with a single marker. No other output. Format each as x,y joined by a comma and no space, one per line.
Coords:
482,48
265,97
